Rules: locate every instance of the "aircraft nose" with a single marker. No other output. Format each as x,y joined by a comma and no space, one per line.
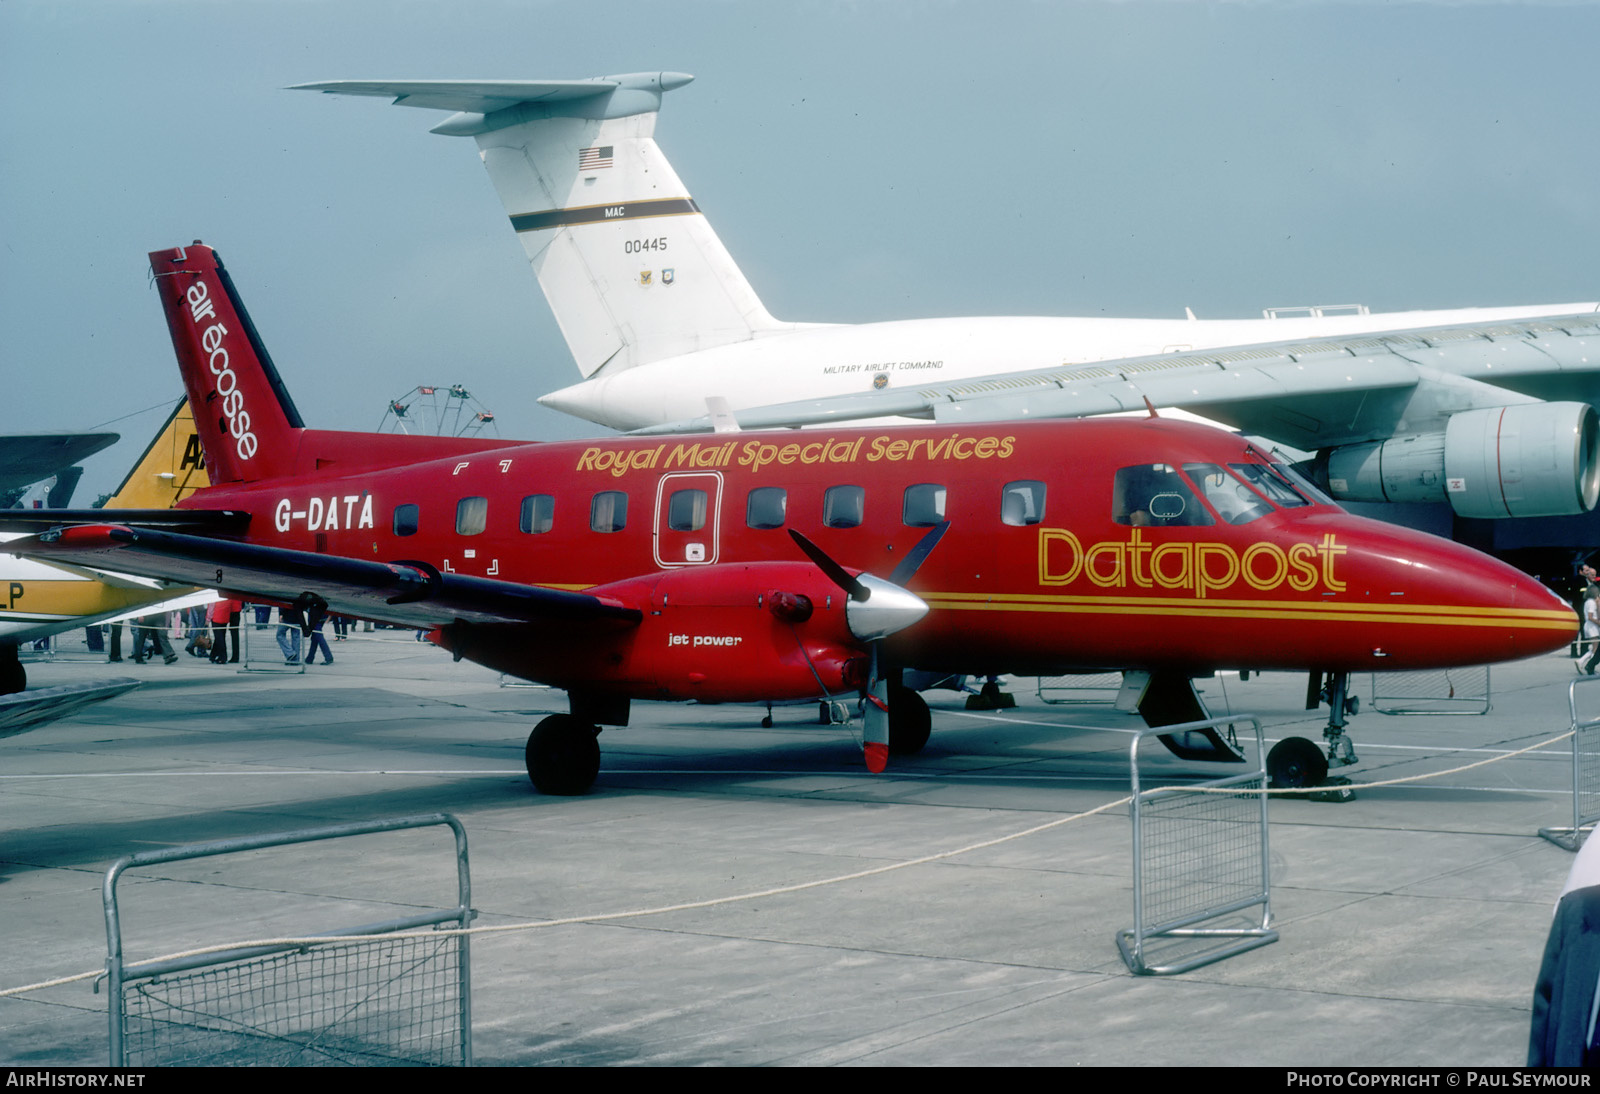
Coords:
1541,622
582,400
1483,610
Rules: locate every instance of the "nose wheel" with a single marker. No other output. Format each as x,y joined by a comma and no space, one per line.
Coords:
1296,762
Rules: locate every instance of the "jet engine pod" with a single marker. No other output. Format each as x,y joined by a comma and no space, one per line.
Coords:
1528,460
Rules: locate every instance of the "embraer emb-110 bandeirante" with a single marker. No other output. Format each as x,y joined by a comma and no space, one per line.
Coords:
790,566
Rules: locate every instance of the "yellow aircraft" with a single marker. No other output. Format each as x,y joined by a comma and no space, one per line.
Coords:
38,600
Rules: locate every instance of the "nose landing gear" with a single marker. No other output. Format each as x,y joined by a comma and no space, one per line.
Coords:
1297,762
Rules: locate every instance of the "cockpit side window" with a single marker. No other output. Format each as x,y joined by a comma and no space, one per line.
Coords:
1155,495
1234,502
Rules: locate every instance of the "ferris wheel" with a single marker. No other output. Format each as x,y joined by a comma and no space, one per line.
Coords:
438,410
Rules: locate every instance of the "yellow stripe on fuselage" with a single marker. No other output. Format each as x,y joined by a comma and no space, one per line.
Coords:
1550,619
1322,611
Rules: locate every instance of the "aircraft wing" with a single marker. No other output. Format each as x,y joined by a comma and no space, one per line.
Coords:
213,521
411,594
1310,395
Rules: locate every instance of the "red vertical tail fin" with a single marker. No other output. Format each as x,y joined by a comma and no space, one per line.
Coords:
247,423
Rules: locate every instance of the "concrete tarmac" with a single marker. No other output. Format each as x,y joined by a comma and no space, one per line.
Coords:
1412,919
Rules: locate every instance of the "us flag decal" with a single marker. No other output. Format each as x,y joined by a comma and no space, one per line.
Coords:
592,159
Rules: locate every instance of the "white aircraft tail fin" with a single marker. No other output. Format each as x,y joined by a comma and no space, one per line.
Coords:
627,261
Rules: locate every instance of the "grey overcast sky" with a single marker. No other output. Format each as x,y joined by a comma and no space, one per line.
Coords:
861,161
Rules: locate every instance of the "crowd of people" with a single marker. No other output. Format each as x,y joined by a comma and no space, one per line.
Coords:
212,631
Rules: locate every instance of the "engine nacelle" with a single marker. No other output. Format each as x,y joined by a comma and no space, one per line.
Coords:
734,632
1527,460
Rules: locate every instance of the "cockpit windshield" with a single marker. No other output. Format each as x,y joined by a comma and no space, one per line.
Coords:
1159,495
1235,502
1282,484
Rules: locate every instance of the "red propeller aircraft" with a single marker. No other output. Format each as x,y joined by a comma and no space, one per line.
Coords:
776,566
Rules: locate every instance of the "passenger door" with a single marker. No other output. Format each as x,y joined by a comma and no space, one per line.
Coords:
686,523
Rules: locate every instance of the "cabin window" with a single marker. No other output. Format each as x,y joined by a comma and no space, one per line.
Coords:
843,506
923,506
538,514
1234,502
609,511
405,520
1155,495
1022,503
766,507
472,516
686,510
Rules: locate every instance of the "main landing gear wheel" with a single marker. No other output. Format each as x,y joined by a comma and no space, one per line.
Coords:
1296,762
563,755
909,722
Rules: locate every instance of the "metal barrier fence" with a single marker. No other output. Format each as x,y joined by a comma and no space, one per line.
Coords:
1100,687
75,644
70,645
390,1001
259,647
1441,691
1198,856
1585,727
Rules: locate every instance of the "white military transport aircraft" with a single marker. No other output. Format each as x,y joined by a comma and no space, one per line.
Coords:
1490,409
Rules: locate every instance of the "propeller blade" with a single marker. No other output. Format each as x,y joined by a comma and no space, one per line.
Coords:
876,607
918,555
835,572
875,731
892,607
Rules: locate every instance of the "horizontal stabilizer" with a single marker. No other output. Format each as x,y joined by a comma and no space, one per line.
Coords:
633,93
27,458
